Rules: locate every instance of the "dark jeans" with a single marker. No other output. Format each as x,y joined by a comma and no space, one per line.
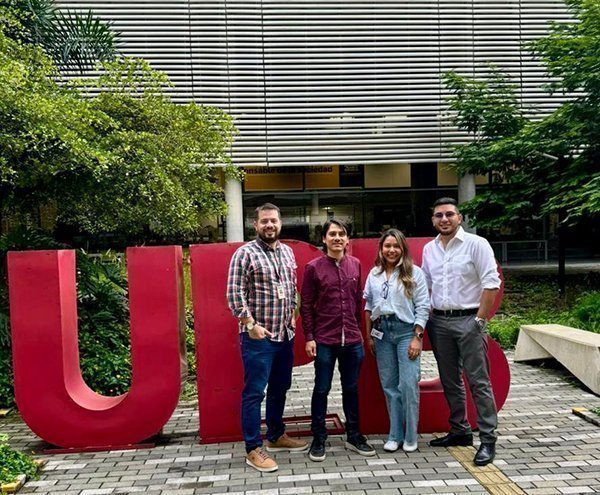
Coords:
349,359
265,363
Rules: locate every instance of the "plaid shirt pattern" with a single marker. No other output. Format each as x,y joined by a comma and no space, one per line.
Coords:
255,272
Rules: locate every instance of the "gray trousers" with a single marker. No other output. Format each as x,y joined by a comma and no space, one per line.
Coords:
460,345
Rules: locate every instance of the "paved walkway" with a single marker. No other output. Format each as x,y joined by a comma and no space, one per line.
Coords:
543,449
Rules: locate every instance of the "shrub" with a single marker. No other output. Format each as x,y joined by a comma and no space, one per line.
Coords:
7,398
505,330
103,310
587,310
13,463
189,343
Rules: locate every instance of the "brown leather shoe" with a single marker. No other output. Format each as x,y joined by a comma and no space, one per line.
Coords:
288,444
261,461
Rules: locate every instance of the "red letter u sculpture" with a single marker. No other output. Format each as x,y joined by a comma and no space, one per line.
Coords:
52,397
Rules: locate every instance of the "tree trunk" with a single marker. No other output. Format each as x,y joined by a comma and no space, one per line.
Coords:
466,192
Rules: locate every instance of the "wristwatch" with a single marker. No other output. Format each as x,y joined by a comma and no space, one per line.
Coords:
250,325
419,334
482,322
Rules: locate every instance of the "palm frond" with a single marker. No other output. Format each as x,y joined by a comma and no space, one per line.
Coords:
79,41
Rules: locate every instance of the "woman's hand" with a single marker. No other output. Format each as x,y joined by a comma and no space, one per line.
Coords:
414,348
371,345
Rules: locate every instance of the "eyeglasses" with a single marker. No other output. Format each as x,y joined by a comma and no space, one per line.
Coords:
439,215
385,290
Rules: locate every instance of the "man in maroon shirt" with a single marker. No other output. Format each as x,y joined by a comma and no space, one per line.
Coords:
331,314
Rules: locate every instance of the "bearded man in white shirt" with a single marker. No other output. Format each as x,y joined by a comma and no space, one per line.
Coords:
463,277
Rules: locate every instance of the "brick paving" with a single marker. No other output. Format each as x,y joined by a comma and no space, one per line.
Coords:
543,449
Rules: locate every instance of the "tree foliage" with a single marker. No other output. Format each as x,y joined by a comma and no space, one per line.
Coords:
74,41
113,153
537,166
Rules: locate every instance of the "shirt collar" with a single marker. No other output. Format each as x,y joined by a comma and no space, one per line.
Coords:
333,260
265,246
460,235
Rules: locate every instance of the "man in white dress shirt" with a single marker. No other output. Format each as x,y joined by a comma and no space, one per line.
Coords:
461,272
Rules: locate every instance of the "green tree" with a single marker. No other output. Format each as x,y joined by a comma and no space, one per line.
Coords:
113,154
74,41
571,54
487,110
540,166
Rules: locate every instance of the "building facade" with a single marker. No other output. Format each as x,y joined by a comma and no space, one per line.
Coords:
340,104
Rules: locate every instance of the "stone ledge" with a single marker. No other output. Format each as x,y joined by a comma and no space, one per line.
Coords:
589,416
21,479
14,487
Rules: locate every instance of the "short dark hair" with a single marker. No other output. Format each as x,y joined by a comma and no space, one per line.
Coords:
334,221
327,225
445,201
266,206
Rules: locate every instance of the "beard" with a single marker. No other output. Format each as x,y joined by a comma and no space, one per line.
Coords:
268,239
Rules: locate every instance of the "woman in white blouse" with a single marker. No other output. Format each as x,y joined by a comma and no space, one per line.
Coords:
397,307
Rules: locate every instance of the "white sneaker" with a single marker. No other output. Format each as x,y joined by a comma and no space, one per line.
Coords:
391,446
409,447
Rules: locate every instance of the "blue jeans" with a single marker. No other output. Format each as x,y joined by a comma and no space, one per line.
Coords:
399,377
265,363
349,359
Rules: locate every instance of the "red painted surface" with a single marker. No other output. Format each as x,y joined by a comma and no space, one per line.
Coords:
219,365
220,372
52,397
59,407
433,409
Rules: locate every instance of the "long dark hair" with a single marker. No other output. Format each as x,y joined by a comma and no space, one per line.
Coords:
405,263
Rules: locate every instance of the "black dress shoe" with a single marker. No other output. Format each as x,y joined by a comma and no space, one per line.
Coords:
485,454
453,440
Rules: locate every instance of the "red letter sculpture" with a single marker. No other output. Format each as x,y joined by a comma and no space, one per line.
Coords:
219,364
59,407
433,409
52,397
220,373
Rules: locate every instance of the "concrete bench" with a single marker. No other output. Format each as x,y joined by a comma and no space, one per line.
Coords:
577,350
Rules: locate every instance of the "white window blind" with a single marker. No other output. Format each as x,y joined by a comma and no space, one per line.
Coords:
318,82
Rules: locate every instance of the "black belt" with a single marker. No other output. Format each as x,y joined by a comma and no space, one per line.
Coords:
454,313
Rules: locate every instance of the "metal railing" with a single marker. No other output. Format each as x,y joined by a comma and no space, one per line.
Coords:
536,249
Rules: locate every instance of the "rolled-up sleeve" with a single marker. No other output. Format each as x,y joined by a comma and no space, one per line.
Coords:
485,264
421,298
307,302
368,294
237,284
425,266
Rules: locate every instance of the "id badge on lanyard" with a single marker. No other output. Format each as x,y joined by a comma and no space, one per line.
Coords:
280,291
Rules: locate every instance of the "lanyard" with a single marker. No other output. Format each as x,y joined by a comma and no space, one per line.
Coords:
276,265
